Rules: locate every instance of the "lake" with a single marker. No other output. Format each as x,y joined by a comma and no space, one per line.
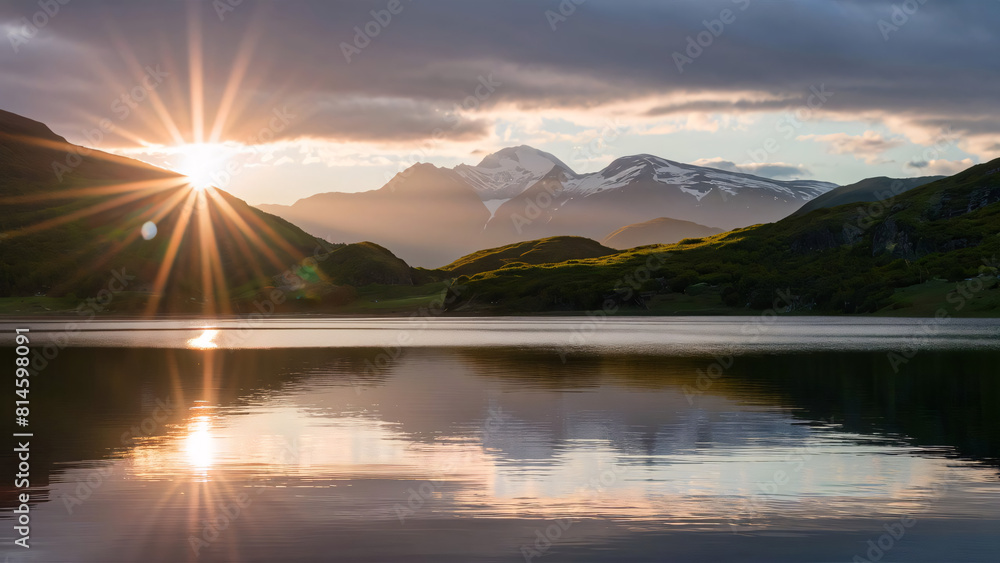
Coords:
541,439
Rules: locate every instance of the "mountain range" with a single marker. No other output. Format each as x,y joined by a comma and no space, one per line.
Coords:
78,222
932,251
430,216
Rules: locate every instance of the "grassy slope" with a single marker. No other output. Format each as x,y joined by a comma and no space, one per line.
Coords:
544,251
658,231
363,264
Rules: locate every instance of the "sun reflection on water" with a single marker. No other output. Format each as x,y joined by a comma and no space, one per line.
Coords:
199,444
204,342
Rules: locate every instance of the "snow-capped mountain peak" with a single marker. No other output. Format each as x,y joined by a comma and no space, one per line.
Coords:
634,188
528,158
508,172
695,181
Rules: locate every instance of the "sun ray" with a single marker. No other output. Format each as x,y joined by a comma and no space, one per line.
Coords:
224,207
124,102
67,149
237,235
196,73
163,275
155,99
207,252
216,295
136,138
93,191
260,225
85,212
155,215
234,84
129,162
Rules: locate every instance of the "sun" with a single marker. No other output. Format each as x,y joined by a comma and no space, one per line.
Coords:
199,444
203,164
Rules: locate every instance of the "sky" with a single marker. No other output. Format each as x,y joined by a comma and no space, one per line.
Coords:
276,101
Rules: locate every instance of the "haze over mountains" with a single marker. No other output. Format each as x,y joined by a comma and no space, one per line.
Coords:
430,216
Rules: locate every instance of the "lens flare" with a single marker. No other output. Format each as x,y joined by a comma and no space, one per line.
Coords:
148,230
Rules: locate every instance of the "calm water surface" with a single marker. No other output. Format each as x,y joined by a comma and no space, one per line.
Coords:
510,440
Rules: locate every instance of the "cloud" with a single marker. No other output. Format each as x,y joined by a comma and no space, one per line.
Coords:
773,170
398,120
937,72
940,167
868,147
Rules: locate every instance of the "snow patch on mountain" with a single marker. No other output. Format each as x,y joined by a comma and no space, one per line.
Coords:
508,173
593,183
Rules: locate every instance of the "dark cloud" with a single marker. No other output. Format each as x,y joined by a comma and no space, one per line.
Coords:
938,70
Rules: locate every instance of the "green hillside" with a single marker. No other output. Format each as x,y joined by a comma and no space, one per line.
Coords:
658,231
543,251
846,259
364,264
869,189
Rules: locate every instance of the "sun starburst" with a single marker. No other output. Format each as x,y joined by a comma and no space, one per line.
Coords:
202,163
